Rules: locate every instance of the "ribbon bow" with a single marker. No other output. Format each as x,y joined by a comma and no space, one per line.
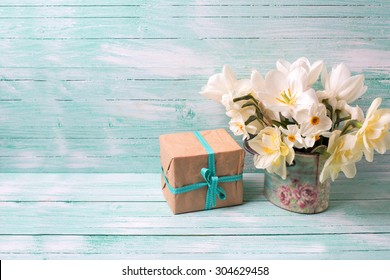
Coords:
213,189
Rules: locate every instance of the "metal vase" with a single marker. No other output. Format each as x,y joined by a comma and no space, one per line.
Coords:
301,191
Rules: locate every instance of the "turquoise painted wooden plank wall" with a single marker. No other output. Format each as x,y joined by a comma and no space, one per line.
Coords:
88,86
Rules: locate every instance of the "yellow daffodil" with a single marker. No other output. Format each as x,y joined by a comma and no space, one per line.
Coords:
343,156
272,152
374,133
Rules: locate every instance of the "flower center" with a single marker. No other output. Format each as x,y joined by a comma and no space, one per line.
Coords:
291,138
268,150
315,120
286,97
240,127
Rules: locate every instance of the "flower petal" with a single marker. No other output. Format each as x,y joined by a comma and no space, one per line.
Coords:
257,82
301,62
275,82
215,88
297,80
283,66
373,107
229,75
339,74
352,88
349,170
315,71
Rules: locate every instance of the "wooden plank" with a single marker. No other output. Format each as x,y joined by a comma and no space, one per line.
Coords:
92,139
79,163
190,3
20,88
346,246
222,26
178,58
133,114
334,230
103,88
114,187
82,202
163,9
123,113
87,86
147,218
106,155
105,134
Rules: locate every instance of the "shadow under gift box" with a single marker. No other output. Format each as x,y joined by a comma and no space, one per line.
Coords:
182,158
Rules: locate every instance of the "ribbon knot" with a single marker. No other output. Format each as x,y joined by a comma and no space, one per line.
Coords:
213,190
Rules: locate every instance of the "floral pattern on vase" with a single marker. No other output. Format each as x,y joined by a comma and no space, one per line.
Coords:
301,191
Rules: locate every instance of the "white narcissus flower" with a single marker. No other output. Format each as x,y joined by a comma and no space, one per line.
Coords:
340,85
242,87
257,83
374,133
239,115
311,139
238,127
288,93
343,156
292,136
313,70
220,84
272,152
234,108
313,120
356,113
285,97
224,87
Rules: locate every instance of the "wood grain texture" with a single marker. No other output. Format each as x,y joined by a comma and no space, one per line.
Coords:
125,216
86,88
86,81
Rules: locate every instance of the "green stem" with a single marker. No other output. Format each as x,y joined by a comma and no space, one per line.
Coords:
340,120
257,108
353,123
329,108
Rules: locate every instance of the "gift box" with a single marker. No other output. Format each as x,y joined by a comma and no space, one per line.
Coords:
201,170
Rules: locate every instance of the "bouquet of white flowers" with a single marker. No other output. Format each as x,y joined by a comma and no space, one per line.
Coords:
282,113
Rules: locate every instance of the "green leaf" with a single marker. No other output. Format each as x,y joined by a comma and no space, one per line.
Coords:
250,119
259,114
279,124
245,97
247,104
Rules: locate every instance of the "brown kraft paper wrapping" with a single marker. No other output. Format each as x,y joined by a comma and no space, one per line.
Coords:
182,158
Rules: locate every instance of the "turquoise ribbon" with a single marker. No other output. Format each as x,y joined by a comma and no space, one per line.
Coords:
211,179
